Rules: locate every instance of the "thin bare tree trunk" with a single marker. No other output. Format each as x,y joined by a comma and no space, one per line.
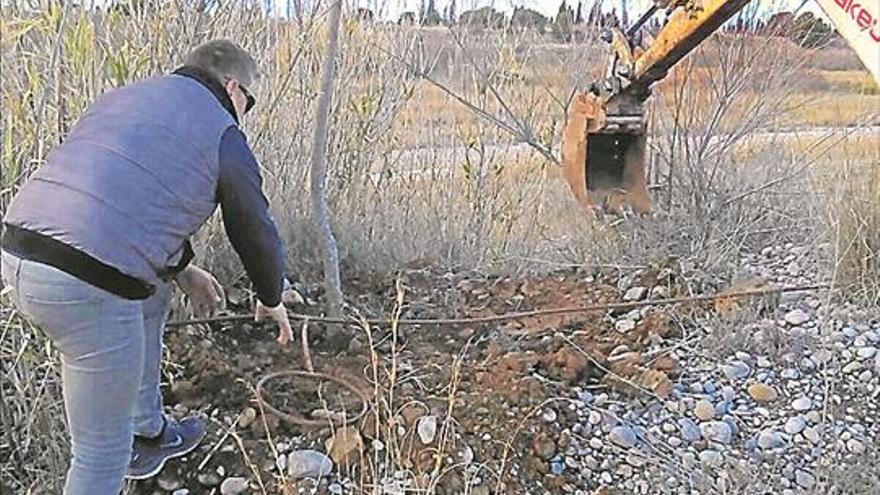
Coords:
330,253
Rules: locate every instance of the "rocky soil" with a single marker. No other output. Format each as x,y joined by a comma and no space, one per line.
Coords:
778,395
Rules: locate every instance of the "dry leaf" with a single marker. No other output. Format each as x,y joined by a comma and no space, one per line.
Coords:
344,444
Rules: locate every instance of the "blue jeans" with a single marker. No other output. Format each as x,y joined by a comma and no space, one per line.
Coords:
111,350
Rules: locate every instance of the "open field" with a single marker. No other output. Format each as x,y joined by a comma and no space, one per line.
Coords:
765,171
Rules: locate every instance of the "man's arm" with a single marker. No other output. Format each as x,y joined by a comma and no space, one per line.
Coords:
246,217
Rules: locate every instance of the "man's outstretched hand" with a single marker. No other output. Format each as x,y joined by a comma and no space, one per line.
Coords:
204,291
279,314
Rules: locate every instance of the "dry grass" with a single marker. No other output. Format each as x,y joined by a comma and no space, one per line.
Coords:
854,211
33,443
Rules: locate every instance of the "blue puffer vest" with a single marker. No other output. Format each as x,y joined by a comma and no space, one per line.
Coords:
134,179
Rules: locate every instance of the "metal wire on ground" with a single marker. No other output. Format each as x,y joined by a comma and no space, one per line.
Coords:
514,315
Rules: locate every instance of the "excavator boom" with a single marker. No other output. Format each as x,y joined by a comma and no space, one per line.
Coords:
684,32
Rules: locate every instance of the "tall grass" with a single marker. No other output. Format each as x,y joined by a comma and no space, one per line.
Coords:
854,211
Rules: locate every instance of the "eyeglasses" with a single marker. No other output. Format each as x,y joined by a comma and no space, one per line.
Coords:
251,101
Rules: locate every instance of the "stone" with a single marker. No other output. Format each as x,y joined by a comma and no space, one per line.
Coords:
855,446
763,362
549,415
427,429
731,422
852,367
596,443
624,326
804,479
769,439
807,364
812,435
717,431
736,370
635,460
180,491
659,292
247,417
795,425
865,376
308,464
292,297
796,317
704,410
690,432
635,294
822,356
743,356
623,436
465,455
760,392
711,458
728,393
594,418
866,352
591,463
709,387
585,396
802,404
233,486
208,480
168,483
789,374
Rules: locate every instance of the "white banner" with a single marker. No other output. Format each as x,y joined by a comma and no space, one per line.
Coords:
858,21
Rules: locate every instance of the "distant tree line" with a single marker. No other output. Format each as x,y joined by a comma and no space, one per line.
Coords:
562,27
805,29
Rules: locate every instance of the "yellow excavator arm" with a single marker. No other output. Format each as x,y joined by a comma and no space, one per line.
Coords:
604,140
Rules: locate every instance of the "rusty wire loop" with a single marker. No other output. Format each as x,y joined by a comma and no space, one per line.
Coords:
297,419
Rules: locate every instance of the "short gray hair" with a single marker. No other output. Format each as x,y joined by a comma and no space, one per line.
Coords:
224,60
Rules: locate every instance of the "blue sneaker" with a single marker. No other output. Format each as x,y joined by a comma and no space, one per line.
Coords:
177,439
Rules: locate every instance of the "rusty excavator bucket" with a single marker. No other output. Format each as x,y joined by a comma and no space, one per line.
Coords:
604,158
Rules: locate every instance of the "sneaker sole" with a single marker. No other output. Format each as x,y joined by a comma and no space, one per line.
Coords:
161,465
